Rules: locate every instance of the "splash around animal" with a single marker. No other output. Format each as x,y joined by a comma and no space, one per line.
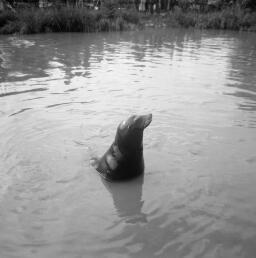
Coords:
124,158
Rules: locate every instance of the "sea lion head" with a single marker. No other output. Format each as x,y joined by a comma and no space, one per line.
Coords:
129,135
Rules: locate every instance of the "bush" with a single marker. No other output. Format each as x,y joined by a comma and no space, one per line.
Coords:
7,16
130,16
10,28
112,18
184,19
67,19
234,18
110,9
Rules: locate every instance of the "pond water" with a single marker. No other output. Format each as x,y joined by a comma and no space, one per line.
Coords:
61,99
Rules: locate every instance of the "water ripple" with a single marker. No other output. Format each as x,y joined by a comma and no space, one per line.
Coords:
20,111
62,97
5,94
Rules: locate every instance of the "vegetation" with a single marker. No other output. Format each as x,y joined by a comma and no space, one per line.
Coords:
220,14
67,19
232,18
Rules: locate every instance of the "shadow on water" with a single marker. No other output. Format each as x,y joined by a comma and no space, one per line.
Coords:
127,199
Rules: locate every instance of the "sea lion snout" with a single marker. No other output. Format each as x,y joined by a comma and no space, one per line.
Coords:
145,120
136,122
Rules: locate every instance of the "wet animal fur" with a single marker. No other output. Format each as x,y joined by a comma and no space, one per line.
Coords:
124,158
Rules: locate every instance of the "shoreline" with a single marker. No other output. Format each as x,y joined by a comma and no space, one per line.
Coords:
31,21
235,19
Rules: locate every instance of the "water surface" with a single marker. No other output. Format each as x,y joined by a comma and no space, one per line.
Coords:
61,99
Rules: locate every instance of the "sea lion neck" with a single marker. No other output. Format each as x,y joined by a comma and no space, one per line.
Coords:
130,144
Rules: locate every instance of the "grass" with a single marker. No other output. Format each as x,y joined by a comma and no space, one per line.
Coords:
232,18
67,19
111,18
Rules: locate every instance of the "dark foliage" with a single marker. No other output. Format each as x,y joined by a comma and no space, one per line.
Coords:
67,19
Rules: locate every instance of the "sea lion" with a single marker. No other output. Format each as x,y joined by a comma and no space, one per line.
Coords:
124,158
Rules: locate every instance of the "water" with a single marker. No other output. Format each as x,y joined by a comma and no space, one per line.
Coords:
61,99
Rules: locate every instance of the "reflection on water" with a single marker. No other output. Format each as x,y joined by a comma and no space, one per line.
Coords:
127,198
61,98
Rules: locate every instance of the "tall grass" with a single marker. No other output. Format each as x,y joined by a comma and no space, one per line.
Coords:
111,18
232,18
67,19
